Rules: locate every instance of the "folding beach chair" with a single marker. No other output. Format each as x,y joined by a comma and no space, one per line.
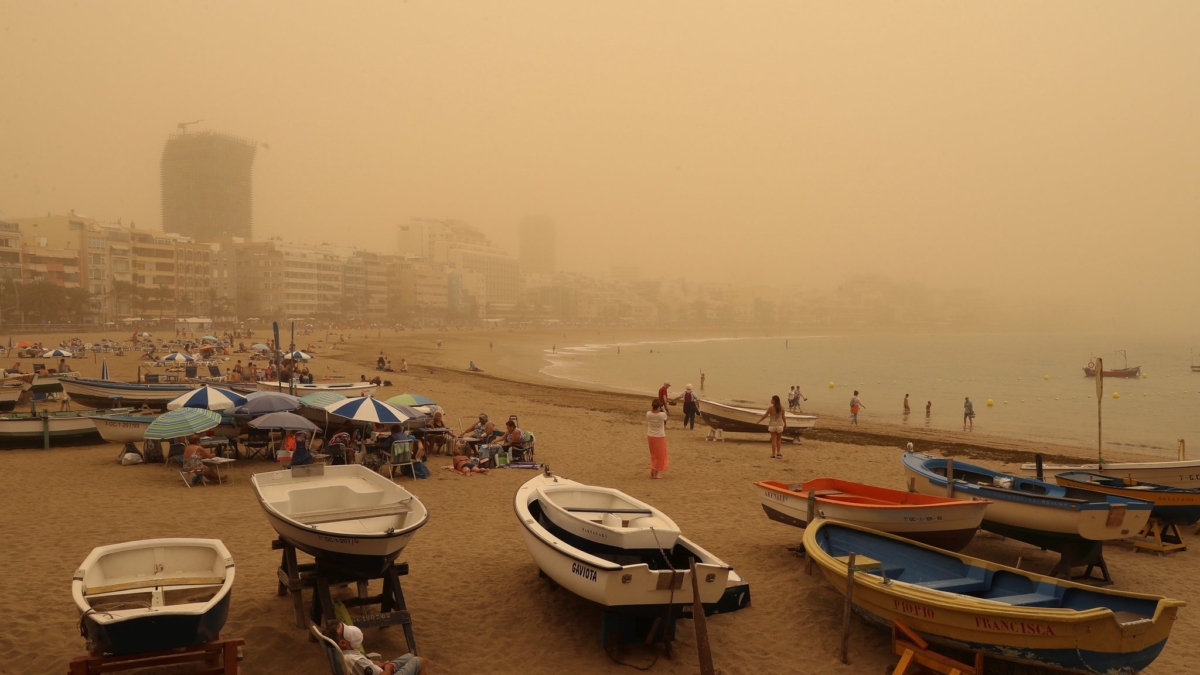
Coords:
189,372
402,455
523,451
151,378
258,442
175,453
214,371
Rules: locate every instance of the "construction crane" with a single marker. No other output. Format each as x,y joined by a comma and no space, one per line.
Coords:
184,125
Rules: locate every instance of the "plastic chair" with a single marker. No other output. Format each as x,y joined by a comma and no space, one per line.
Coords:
333,653
402,455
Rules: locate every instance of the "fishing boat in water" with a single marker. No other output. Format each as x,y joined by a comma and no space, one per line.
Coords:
1043,514
937,521
608,554
962,602
1090,369
1171,504
740,419
347,515
153,595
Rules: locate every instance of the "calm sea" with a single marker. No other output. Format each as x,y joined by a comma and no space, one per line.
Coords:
1035,381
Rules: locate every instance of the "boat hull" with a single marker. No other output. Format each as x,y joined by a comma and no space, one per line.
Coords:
1095,639
347,389
1041,521
100,393
122,428
1123,372
23,430
157,632
745,420
621,586
950,526
1173,505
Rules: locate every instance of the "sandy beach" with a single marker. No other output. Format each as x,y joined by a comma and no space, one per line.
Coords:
477,602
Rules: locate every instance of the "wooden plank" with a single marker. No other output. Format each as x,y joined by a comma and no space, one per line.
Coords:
704,652
583,509
905,659
850,568
153,583
336,515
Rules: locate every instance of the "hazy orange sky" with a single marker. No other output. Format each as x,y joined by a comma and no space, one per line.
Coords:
1016,147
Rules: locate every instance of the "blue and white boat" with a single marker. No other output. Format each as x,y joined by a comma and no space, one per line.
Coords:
1043,514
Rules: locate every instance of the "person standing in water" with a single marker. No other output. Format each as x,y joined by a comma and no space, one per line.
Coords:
968,414
856,404
702,380
928,408
906,408
656,437
776,423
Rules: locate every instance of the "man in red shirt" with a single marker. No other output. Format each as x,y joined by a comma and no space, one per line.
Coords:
663,395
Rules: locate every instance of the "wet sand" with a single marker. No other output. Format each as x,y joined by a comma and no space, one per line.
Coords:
477,602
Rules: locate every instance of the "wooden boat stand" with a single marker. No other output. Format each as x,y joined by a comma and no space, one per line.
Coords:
320,575
1160,537
221,657
914,652
1072,556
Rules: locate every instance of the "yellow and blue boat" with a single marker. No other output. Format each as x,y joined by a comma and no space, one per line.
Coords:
967,603
1171,504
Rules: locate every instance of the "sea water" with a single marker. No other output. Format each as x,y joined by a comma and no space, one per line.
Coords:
1036,382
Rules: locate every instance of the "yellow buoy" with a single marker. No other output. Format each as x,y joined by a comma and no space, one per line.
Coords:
1144,376
1116,394
831,385
989,402
1045,377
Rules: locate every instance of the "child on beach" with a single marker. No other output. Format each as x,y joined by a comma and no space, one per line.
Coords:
856,404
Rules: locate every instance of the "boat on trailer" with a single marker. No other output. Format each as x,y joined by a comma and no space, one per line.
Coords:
153,595
961,602
347,515
937,521
616,577
741,419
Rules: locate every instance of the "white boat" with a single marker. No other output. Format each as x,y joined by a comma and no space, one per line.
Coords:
153,595
101,393
43,428
1182,473
739,419
632,578
347,389
348,515
606,516
126,428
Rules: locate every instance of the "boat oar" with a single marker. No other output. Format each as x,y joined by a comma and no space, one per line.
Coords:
698,619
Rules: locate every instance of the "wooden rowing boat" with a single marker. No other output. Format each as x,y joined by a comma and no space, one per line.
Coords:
967,603
1171,504
937,521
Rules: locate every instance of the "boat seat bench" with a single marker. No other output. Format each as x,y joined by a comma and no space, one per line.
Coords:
336,515
956,585
1029,600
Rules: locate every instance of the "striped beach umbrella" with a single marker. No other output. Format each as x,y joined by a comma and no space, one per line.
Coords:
411,400
104,369
177,357
259,394
57,353
183,422
209,398
261,405
209,338
297,356
259,345
371,409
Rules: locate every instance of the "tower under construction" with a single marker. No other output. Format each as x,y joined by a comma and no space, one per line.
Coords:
208,185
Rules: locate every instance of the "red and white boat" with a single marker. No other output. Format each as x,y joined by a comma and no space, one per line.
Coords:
938,521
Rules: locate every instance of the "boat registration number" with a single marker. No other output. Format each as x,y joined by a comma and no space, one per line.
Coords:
337,540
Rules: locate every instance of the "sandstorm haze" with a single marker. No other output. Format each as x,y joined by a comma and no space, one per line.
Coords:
1017,153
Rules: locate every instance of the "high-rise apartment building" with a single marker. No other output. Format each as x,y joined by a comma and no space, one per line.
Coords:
535,237
207,185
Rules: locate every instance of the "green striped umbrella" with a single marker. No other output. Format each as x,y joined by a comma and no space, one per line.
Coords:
183,422
321,399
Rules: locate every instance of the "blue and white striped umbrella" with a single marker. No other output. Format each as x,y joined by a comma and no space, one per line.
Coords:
177,357
56,353
104,369
210,398
297,356
369,409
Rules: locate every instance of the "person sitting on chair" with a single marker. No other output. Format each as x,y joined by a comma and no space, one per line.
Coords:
514,438
193,459
399,435
441,439
349,639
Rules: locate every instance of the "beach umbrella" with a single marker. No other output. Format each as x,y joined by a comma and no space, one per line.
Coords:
104,369
297,356
259,345
259,394
209,338
176,357
411,400
284,421
371,409
208,397
183,422
261,405
56,353
145,334
321,399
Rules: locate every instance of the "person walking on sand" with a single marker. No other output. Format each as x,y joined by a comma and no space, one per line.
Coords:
907,410
776,423
968,414
664,395
792,399
799,398
856,404
691,405
656,436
